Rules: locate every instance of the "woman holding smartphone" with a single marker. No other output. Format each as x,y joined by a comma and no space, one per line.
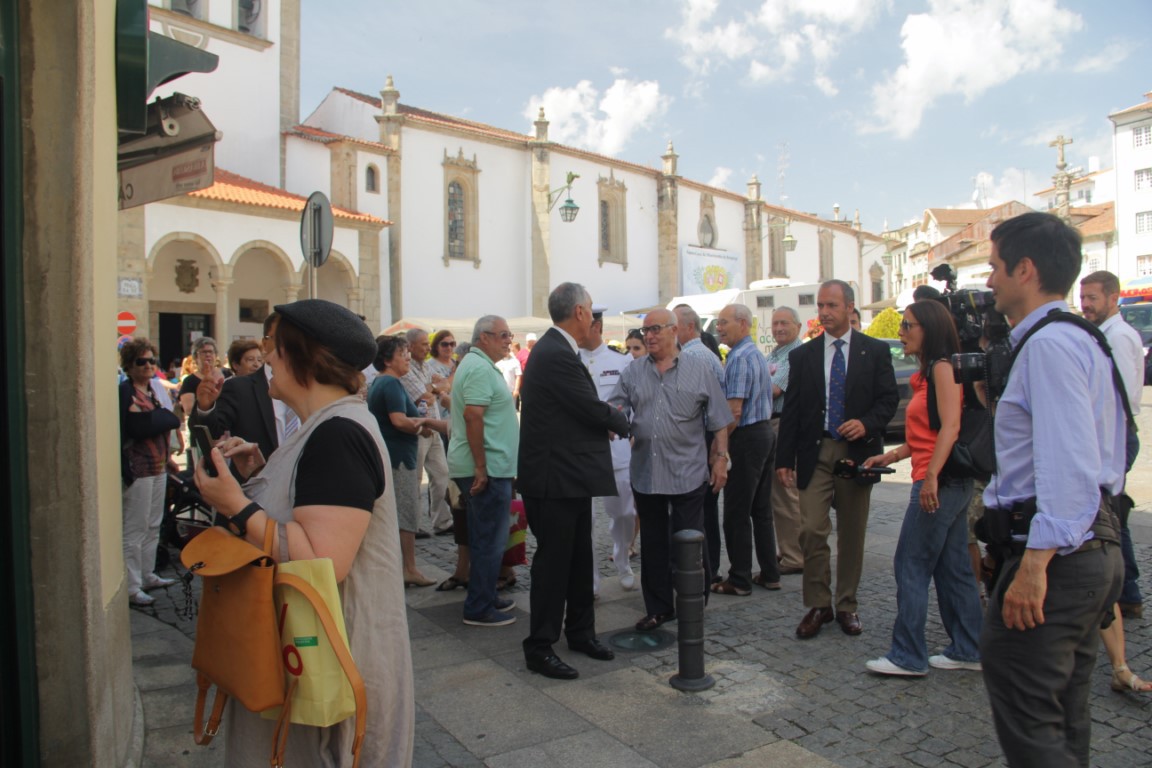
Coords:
934,537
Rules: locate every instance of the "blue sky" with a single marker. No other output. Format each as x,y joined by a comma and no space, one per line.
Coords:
889,106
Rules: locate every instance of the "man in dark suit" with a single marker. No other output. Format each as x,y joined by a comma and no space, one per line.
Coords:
565,460
242,406
841,395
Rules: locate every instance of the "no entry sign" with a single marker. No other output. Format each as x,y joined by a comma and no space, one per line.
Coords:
125,324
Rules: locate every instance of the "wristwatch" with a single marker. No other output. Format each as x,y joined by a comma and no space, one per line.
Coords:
238,523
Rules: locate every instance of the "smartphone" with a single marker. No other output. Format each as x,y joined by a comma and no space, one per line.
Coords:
204,442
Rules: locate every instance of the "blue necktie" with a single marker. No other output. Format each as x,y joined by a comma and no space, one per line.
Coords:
836,389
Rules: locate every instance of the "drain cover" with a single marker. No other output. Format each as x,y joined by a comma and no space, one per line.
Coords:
631,640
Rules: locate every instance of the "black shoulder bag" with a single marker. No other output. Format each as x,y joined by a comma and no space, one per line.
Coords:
974,452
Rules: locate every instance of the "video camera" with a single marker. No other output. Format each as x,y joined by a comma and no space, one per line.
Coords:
977,321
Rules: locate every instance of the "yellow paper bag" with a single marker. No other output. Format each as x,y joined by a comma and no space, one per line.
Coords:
314,645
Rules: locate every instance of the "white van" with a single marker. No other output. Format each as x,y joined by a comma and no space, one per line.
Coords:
763,298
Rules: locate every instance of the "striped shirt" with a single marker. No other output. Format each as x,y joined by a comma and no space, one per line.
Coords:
746,378
667,412
779,368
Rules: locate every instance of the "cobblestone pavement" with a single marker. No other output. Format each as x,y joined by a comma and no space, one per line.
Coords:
778,701
816,693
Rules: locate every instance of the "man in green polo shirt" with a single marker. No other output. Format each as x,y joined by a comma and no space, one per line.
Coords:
482,455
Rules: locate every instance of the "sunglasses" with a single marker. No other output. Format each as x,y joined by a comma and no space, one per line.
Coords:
502,334
647,329
143,361
447,343
907,326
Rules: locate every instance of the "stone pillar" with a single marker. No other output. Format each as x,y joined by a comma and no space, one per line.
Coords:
291,292
222,331
371,282
753,233
131,269
391,124
667,234
289,44
540,280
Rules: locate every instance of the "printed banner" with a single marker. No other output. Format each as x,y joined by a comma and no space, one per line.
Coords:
705,270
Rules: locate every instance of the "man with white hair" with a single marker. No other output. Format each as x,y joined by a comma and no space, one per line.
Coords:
785,500
747,498
430,455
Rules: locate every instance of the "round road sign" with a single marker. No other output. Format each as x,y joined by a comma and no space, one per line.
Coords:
125,324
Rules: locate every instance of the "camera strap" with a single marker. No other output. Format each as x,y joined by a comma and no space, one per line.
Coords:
1059,315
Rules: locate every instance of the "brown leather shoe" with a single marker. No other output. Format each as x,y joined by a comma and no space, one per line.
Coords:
812,622
788,570
849,621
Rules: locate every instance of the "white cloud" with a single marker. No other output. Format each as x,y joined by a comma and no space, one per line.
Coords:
967,47
720,177
604,123
773,41
1110,57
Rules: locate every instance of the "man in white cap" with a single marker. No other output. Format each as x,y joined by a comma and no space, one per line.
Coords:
605,366
522,355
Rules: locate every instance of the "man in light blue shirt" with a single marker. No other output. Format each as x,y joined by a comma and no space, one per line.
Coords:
748,494
785,500
1060,445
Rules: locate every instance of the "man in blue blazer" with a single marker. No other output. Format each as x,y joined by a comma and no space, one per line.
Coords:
841,395
565,460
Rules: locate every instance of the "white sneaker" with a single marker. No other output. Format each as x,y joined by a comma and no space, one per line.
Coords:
883,666
142,599
152,581
943,662
628,580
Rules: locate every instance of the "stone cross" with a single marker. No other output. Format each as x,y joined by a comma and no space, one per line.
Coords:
1059,143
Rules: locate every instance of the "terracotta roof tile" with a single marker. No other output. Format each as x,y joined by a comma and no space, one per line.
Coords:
955,217
233,188
424,115
1103,224
327,137
1146,106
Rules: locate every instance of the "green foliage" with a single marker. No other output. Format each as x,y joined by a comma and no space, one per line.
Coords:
885,325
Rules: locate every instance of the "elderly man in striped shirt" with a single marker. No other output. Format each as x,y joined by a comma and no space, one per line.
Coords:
669,397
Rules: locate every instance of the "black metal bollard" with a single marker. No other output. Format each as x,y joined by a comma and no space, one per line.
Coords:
690,585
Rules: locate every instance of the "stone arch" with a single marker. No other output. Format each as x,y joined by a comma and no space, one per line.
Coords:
337,281
267,245
183,273
190,237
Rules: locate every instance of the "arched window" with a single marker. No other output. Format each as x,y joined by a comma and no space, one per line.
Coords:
371,179
605,226
461,209
456,221
613,220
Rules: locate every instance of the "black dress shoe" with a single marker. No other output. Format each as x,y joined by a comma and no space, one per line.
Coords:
552,666
593,649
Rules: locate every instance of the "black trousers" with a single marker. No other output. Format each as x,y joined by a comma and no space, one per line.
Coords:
1038,679
711,522
748,504
661,516
561,573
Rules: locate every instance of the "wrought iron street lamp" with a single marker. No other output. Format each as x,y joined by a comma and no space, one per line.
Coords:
569,209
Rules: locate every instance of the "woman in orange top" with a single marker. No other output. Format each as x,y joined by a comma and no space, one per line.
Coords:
934,538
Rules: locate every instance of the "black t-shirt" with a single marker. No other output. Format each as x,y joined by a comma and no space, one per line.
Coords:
340,466
191,381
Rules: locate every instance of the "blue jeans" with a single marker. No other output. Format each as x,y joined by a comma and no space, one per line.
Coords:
488,524
935,547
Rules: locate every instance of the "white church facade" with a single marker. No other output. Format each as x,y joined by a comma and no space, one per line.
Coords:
435,216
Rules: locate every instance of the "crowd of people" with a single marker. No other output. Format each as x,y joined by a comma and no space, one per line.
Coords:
327,434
